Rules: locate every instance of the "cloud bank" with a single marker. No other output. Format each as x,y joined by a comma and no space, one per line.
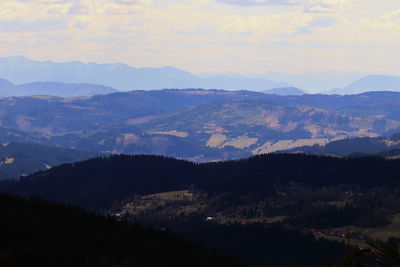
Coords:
260,2
208,35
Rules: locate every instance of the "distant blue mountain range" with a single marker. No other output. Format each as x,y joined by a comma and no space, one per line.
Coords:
8,89
122,77
371,83
21,70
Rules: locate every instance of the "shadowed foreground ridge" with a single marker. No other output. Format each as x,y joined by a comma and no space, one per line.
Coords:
98,183
39,233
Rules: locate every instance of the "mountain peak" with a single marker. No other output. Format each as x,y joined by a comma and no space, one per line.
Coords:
21,70
374,83
370,83
6,83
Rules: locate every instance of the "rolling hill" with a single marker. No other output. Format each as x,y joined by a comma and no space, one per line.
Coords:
225,205
374,83
8,89
260,127
315,82
292,191
40,233
18,159
196,124
99,183
285,91
371,83
366,145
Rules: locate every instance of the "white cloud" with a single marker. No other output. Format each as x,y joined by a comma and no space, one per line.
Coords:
260,2
318,8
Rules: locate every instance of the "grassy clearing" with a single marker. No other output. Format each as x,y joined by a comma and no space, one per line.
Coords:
270,147
221,218
241,142
164,204
381,233
173,195
7,161
216,140
173,133
384,233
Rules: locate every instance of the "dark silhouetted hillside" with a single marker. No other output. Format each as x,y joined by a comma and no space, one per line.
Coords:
17,159
100,182
38,233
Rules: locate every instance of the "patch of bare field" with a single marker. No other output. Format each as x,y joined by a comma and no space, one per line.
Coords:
216,140
173,133
241,142
379,233
173,195
165,204
270,147
7,161
221,218
384,233
78,107
140,120
43,97
128,139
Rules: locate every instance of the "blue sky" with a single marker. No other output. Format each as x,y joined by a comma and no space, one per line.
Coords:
256,36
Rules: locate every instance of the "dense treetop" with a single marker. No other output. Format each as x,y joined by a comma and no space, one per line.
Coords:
38,233
99,182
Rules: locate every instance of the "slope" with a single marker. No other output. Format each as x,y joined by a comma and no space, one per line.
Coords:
121,76
100,182
39,233
385,146
296,192
229,124
372,83
285,91
17,159
7,89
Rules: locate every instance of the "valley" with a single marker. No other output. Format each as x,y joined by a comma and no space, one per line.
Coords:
21,159
312,170
199,133
36,232
268,193
199,125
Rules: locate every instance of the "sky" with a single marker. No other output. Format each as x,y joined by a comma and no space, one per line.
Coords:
217,36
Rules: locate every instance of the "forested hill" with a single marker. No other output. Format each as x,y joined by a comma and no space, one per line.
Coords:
365,145
38,233
17,159
195,124
98,183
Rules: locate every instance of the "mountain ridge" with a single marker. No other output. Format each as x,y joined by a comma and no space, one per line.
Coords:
42,233
60,183
285,91
120,76
229,124
370,83
8,89
19,159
